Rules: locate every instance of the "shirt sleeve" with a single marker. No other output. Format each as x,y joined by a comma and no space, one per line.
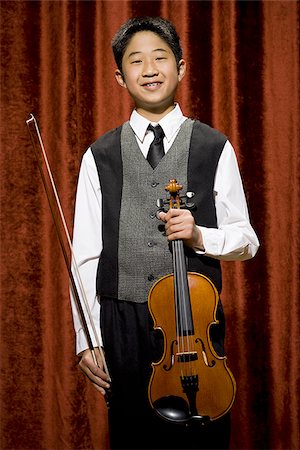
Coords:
234,239
87,246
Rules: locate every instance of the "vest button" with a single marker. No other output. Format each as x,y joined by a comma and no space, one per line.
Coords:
154,184
150,277
150,244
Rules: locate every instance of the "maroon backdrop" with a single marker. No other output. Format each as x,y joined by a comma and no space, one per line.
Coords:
243,78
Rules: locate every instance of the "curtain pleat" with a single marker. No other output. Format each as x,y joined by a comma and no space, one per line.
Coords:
242,78
281,166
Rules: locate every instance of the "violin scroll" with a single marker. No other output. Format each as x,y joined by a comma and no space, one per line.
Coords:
174,199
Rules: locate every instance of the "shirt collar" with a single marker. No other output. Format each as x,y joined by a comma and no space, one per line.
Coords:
169,123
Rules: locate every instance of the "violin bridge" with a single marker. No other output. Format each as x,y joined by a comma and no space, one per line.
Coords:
187,356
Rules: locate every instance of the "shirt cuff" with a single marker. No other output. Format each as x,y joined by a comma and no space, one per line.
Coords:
213,240
81,341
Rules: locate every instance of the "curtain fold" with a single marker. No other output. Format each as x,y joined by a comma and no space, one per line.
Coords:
243,78
281,166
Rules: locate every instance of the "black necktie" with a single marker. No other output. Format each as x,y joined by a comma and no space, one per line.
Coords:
156,149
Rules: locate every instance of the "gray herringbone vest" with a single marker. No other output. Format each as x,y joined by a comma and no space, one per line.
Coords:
143,253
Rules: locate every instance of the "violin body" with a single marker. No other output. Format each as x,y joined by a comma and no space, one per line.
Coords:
190,382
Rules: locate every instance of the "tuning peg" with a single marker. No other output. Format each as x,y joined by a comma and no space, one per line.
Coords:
160,203
189,204
190,194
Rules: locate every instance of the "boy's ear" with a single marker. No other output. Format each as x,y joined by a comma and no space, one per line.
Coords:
120,78
181,69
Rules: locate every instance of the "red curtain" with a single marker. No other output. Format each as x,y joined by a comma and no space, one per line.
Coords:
243,78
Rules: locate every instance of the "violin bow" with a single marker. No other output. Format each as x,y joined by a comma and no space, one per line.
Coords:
59,220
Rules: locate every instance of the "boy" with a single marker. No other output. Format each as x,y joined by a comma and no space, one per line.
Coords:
117,241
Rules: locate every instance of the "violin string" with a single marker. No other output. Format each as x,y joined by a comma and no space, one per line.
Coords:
176,295
186,300
180,305
179,326
182,302
74,263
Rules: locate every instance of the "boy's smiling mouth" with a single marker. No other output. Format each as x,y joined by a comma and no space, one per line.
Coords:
153,84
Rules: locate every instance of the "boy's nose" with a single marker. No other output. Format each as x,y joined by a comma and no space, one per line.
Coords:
149,69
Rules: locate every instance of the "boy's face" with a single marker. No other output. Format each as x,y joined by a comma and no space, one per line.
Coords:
150,73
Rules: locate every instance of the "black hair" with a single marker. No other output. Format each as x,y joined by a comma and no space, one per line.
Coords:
162,27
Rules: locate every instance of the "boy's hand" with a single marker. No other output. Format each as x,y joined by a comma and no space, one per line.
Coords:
94,372
180,224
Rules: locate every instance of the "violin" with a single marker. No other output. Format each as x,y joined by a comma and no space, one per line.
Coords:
191,382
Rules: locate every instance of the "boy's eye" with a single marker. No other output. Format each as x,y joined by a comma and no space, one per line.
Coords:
136,61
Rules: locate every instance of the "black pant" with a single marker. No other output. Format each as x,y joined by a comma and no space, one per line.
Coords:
131,345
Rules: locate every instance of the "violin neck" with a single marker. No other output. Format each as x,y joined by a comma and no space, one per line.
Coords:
184,318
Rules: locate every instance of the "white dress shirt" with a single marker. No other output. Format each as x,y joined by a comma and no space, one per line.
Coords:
234,239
